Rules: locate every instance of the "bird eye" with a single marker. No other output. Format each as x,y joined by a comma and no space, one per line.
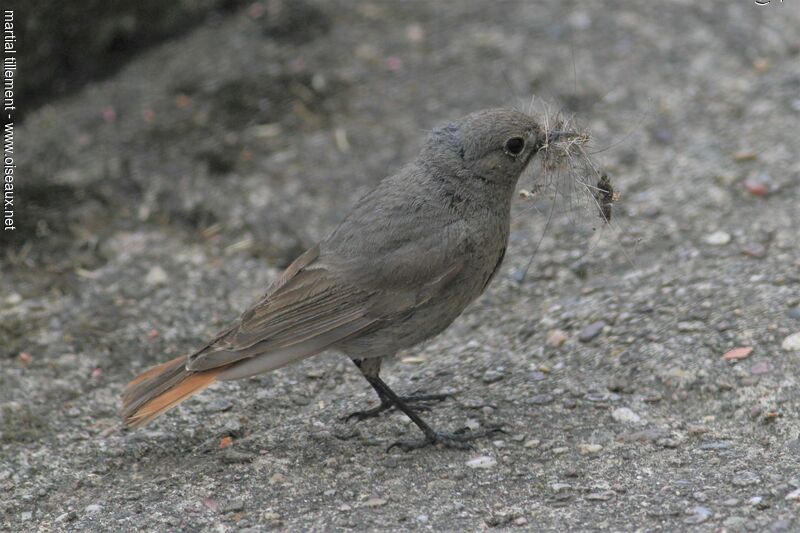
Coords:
514,146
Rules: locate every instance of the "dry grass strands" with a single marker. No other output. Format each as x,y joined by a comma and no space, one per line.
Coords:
566,176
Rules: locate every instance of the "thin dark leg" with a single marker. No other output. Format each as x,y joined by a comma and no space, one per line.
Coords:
370,370
449,440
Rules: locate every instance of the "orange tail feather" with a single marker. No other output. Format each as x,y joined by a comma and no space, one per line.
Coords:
161,388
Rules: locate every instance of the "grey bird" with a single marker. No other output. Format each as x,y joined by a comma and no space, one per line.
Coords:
399,269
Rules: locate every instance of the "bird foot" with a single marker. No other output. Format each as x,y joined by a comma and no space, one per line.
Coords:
418,399
461,439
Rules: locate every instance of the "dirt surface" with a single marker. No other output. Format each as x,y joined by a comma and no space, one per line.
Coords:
155,205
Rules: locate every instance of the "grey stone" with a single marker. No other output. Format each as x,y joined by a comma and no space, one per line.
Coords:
591,331
698,515
233,506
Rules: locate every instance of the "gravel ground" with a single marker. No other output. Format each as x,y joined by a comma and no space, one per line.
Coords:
156,204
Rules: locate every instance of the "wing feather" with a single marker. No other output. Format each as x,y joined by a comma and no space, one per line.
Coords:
308,309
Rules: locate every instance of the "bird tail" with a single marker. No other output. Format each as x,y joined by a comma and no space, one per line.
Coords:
161,388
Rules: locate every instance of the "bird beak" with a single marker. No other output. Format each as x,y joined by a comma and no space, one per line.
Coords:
556,135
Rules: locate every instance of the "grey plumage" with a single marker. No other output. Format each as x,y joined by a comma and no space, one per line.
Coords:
406,261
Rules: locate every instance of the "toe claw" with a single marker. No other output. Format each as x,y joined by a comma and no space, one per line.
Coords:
375,411
363,415
460,439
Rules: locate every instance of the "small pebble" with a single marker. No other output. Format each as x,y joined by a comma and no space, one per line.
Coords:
472,424
483,461
591,331
498,518
716,445
761,65
756,187
211,504
718,238
218,406
299,399
415,33
556,338
762,367
735,523
230,456
792,342
754,250
589,449
493,375
540,399
14,298
668,442
646,435
233,506
698,515
794,312
67,517
601,496
745,155
738,353
692,326
473,403
533,443
745,478
156,276
93,508
793,496
625,415
375,502
602,396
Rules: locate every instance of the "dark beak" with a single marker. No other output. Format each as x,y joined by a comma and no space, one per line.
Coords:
556,135
552,136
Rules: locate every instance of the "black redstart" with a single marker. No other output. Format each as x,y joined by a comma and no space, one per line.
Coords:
403,264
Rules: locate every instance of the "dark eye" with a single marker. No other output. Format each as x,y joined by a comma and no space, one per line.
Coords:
514,146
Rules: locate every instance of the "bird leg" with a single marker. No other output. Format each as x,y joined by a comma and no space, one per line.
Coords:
459,439
371,367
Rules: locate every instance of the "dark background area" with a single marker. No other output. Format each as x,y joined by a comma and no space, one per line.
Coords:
69,44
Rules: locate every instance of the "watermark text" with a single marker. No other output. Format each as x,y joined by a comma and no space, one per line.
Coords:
9,71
